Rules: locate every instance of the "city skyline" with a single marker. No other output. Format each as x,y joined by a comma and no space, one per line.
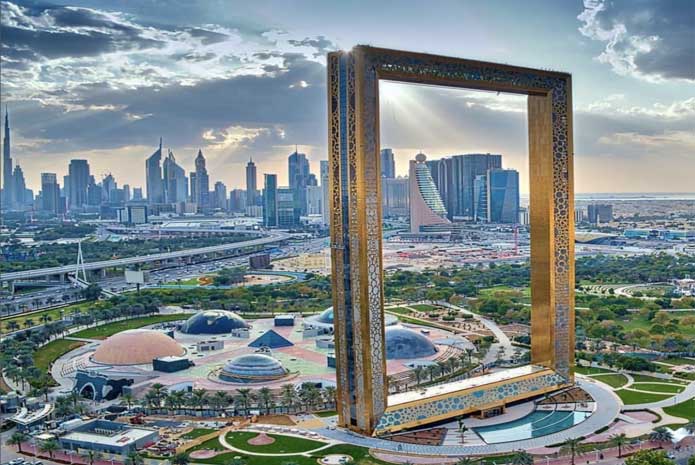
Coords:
245,85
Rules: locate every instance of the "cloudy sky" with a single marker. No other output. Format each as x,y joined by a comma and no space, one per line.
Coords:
103,80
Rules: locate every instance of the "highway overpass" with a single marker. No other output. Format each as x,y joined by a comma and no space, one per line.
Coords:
273,237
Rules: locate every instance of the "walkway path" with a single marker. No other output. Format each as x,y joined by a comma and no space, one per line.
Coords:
687,394
608,409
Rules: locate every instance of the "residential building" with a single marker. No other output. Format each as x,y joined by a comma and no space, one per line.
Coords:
50,193
220,196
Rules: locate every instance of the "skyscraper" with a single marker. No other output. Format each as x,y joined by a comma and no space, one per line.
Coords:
202,182
108,188
270,214
395,197
286,207
175,182
237,200
388,164
7,180
153,177
126,192
426,206
480,203
298,176
220,197
600,213
50,193
324,191
251,186
19,186
78,180
503,196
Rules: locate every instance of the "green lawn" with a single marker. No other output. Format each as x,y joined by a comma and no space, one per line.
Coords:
525,291
615,381
653,379
282,445
35,317
684,409
47,354
210,444
325,414
638,321
632,397
109,329
665,388
591,370
196,433
424,307
678,361
359,454
400,310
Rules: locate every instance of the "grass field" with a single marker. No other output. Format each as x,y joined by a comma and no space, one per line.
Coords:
109,329
615,381
525,291
196,433
400,310
665,388
678,361
425,307
637,321
282,445
210,444
325,414
54,349
684,410
633,397
653,379
592,370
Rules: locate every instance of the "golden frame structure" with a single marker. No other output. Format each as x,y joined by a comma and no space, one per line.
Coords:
356,217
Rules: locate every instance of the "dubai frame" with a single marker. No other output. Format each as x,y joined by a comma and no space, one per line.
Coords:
356,237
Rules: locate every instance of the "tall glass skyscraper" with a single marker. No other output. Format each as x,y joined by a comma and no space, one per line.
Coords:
251,187
153,176
388,164
503,196
426,206
270,191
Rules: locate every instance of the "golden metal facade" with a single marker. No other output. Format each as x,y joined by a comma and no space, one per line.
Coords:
355,203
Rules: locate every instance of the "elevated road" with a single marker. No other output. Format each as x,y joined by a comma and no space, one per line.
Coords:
271,238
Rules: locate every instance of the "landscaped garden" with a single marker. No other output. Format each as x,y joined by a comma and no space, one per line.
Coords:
281,444
47,354
684,409
659,387
634,397
109,329
613,380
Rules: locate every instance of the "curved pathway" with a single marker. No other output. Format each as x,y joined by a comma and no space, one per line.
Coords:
687,394
608,408
226,445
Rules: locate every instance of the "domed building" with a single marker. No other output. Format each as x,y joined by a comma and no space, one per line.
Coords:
136,347
252,368
405,343
325,319
213,322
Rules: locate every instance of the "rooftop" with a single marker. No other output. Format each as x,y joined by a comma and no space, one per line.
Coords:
449,388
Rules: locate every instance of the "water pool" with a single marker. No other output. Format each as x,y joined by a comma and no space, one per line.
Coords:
531,426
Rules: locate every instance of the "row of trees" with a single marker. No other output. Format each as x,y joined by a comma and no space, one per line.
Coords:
290,398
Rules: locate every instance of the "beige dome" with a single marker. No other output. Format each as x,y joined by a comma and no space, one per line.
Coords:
135,347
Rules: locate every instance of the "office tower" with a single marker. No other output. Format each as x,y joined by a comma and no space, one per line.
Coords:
175,182
126,192
324,191
298,176
600,213
94,193
78,172
50,193
480,198
201,181
524,216
7,180
426,206
237,200
503,196
19,196
314,200
388,164
137,194
251,186
108,188
579,215
465,171
270,213
153,177
220,196
395,199
287,211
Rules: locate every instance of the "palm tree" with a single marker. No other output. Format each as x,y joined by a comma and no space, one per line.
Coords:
17,439
265,396
128,399
287,396
690,426
181,458
661,435
91,456
134,458
573,447
419,371
221,400
432,371
244,398
329,395
522,458
49,446
619,441
199,398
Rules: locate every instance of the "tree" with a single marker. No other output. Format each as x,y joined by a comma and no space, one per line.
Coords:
573,447
287,396
17,439
91,456
522,458
661,435
181,458
649,457
49,446
419,373
128,399
265,396
244,396
619,441
91,292
134,458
